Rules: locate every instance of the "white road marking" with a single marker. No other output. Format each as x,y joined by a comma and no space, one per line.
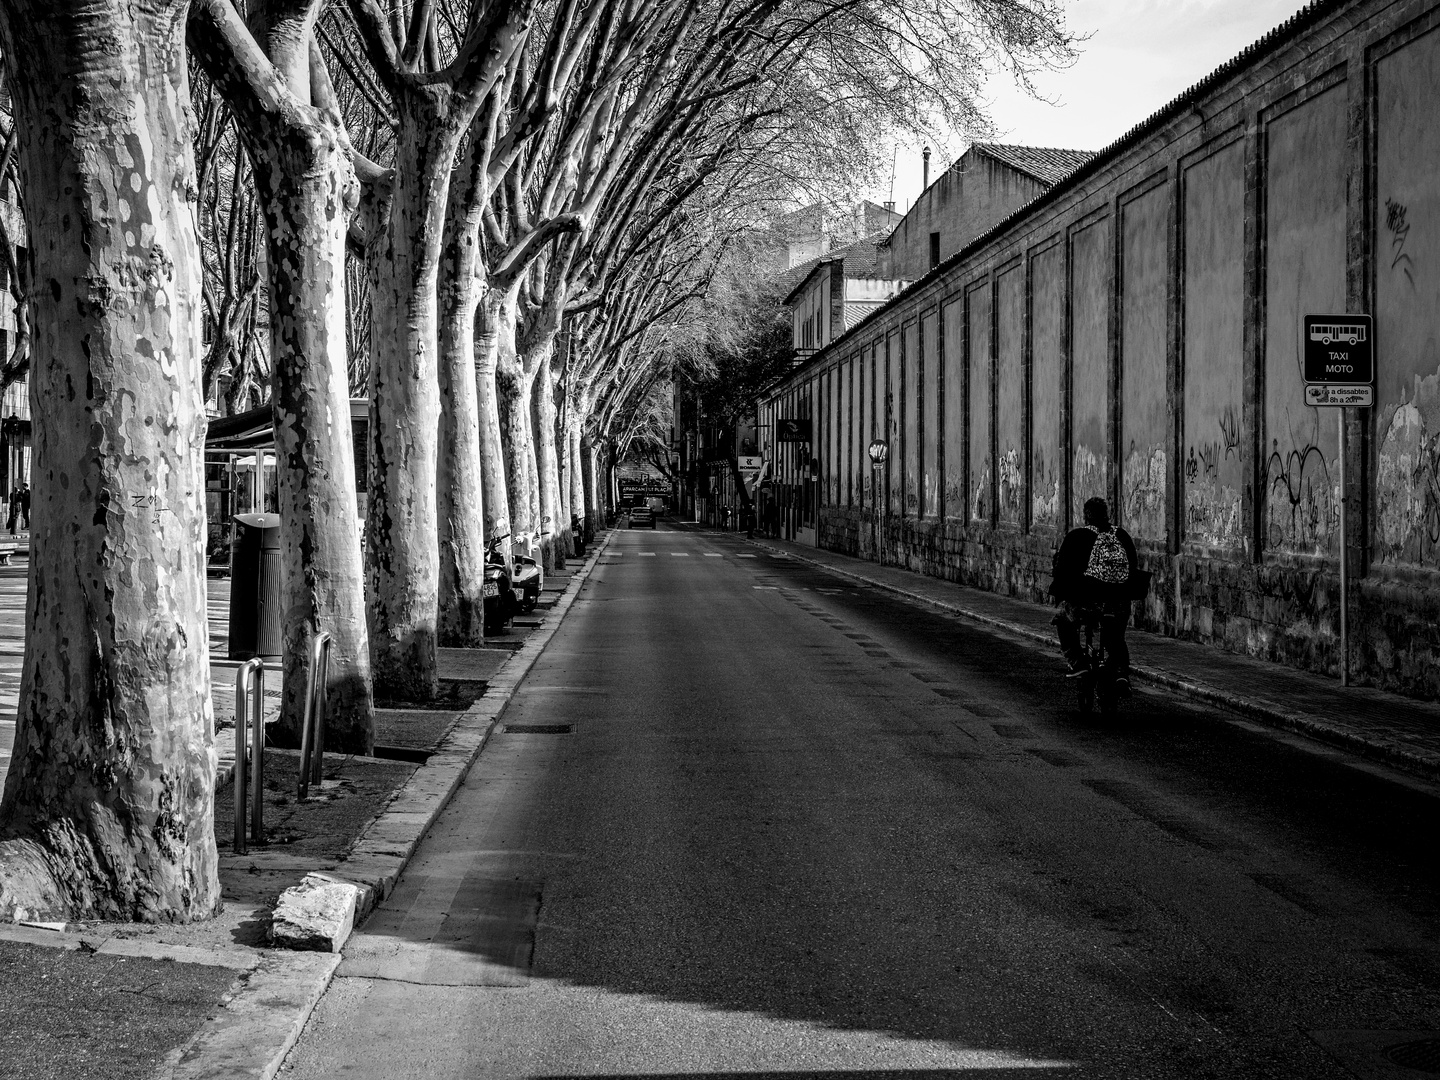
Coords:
713,555
745,556
650,553
679,554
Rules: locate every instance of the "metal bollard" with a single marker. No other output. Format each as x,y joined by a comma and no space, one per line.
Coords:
249,713
312,726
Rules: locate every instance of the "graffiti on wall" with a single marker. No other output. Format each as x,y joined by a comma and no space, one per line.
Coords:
980,492
1302,499
1088,480
1012,486
1144,486
1399,229
1212,506
954,493
1407,478
1045,496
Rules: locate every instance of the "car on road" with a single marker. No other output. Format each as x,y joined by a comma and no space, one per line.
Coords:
642,515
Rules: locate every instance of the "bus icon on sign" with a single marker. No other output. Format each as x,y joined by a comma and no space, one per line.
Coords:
1339,350
1325,333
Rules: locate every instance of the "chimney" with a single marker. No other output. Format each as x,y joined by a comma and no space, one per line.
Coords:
925,181
890,205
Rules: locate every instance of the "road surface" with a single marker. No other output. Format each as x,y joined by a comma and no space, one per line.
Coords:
766,821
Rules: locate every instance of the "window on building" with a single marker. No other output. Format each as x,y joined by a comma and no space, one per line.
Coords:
934,250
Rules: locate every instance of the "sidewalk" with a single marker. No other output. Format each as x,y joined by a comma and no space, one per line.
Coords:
217,1000
1383,727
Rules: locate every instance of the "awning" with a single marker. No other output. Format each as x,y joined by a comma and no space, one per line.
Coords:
254,430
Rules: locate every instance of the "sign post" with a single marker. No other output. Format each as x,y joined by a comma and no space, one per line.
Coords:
1339,362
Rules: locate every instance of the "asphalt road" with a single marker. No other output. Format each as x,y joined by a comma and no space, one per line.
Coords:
797,827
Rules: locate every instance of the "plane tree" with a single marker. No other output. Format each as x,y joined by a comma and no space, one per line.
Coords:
270,71
436,67
108,802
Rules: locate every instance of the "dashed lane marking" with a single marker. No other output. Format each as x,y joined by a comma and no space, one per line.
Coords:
650,553
679,554
713,555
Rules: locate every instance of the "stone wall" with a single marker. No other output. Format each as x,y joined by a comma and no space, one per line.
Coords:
1135,334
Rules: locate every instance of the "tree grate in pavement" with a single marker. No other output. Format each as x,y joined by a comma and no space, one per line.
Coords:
539,729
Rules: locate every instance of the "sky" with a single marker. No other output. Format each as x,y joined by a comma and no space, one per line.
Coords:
1140,54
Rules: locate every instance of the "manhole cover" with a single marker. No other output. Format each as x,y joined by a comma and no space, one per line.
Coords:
1423,1055
539,729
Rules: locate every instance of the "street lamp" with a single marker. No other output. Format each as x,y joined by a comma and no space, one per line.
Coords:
879,451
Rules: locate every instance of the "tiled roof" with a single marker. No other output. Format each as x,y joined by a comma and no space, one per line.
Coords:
1047,164
860,260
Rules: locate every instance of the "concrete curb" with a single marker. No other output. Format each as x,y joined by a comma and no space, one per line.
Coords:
1269,713
380,855
262,1021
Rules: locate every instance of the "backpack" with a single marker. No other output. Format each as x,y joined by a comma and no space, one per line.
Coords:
1108,561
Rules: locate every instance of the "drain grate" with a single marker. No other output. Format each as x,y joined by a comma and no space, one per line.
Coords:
1423,1055
539,729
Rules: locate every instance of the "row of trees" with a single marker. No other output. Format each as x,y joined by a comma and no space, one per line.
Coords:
516,208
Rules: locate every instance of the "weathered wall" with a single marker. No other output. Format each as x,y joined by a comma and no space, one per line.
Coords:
1090,281
1135,334
1144,413
980,372
1304,273
930,414
1047,368
910,350
1010,436
1215,439
952,387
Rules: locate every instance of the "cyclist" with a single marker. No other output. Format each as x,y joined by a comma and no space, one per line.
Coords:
1092,571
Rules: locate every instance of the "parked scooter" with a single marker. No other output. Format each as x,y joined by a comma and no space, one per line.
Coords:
499,593
527,581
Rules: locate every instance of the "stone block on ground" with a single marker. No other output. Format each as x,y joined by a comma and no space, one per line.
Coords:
316,915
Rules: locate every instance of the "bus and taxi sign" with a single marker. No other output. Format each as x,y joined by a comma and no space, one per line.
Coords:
1338,353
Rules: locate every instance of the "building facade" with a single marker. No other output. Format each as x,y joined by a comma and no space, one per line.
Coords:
839,292
989,183
1135,333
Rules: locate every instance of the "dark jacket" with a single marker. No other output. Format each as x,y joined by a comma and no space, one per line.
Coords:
1069,582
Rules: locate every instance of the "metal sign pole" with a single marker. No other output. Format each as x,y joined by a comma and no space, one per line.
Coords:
1344,567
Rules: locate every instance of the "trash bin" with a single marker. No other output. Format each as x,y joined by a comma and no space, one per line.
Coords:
255,612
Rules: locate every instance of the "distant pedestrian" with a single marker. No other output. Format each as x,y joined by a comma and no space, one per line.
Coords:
14,519
25,504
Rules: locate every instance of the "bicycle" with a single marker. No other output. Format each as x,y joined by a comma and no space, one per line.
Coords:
1097,684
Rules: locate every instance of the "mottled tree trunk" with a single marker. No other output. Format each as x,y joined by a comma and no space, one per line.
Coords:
308,191
552,542
402,524
589,464
512,387
497,334
576,470
458,484
107,810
